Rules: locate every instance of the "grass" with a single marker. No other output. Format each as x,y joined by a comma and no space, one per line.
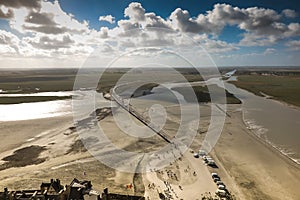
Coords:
63,79
30,99
204,95
283,88
144,90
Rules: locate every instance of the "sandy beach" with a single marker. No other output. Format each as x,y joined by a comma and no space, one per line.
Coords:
250,168
256,170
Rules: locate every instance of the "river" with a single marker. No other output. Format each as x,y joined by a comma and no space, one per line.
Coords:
273,121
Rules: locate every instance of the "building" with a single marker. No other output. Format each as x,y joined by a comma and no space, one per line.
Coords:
76,190
54,191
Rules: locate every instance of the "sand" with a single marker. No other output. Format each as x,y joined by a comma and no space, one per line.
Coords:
250,168
254,169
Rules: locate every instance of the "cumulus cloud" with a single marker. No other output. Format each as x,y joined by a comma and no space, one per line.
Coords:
135,12
107,18
9,41
216,46
251,39
103,32
50,19
259,23
21,3
182,21
45,29
269,51
139,18
47,42
40,18
154,21
6,13
289,13
293,45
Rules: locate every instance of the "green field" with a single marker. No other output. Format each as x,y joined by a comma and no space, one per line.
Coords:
203,95
53,80
283,88
29,99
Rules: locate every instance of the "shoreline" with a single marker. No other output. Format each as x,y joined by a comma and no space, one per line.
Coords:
257,136
250,167
259,162
269,145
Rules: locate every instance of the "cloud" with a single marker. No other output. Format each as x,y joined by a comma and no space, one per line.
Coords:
217,46
181,20
9,41
289,13
293,45
103,32
50,19
138,18
46,30
21,3
107,18
253,19
293,29
40,18
269,51
135,12
154,21
47,42
251,39
6,13
258,23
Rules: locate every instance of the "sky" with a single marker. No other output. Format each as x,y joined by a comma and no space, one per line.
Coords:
68,33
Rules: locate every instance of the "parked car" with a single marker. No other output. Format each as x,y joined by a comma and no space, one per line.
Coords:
207,159
216,179
221,187
219,183
221,193
202,153
214,175
211,163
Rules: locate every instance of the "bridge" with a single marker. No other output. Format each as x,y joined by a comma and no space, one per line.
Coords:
125,104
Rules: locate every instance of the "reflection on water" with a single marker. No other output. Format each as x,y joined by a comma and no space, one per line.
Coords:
36,110
54,94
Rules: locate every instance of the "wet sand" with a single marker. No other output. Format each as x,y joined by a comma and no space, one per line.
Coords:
249,168
254,169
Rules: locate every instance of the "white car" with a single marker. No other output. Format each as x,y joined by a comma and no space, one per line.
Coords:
196,155
221,193
202,153
221,187
214,175
219,183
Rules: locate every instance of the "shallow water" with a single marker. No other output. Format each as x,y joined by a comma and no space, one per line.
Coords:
277,123
55,94
38,110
